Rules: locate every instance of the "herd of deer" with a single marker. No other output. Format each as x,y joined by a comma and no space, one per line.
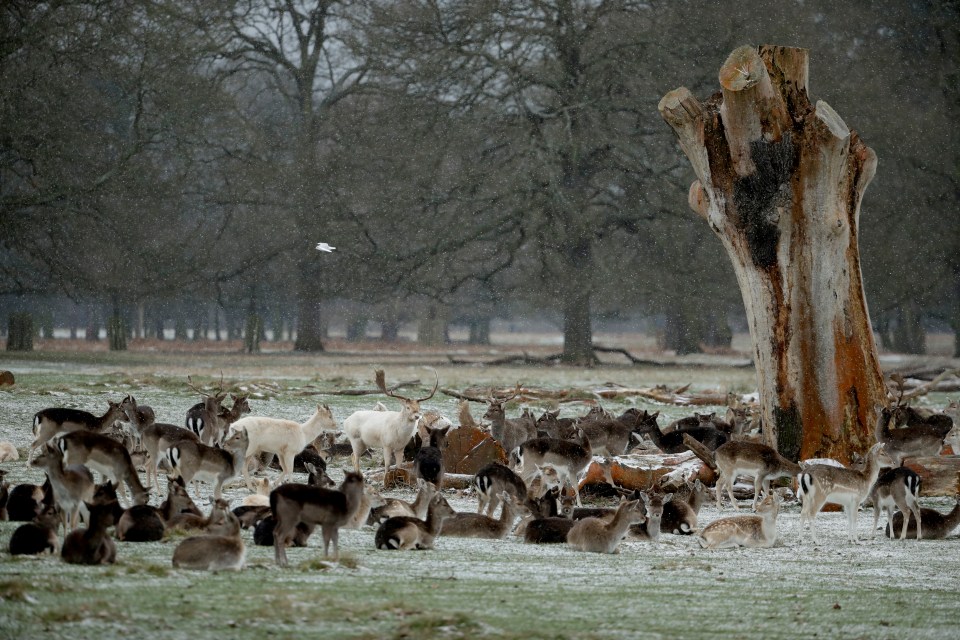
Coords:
537,493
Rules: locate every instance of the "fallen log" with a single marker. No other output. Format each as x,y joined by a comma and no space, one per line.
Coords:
939,475
700,451
360,392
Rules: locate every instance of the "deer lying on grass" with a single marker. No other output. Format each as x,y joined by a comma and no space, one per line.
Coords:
25,501
762,462
72,486
386,430
758,530
610,436
105,455
704,431
404,532
189,521
285,438
653,506
898,487
476,525
140,523
492,480
680,514
8,452
177,501
397,507
569,458
92,545
603,535
936,525
223,551
293,504
197,462
821,484
37,536
51,422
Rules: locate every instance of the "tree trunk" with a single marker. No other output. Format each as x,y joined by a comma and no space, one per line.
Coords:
908,335
433,324
780,181
310,333
577,327
20,331
479,330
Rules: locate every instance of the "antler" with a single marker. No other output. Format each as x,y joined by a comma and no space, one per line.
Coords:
516,392
218,393
435,387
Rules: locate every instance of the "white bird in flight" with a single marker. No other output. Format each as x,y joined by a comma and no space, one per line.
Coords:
323,246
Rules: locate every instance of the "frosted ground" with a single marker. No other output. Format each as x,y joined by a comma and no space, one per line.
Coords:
477,589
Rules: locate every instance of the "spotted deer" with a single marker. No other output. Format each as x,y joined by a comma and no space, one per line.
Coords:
402,533
762,462
756,530
897,488
51,422
104,455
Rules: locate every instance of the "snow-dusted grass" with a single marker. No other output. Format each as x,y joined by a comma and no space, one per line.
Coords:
464,588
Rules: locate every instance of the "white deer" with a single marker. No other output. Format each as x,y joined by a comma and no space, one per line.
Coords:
386,430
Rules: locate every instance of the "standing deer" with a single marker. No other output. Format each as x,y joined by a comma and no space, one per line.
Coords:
762,462
203,418
72,486
911,441
898,487
195,461
569,458
50,422
104,455
387,430
821,484
293,504
509,433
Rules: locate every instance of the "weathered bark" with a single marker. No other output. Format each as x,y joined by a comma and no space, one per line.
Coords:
20,332
576,289
310,330
433,324
780,181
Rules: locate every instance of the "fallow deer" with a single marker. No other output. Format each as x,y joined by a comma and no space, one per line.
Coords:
569,458
293,504
72,486
387,430
936,525
475,525
37,536
508,432
428,462
762,462
223,551
195,461
653,506
822,484
397,507
603,535
492,480
105,455
910,441
756,530
92,545
51,422
404,532
285,438
897,488
203,418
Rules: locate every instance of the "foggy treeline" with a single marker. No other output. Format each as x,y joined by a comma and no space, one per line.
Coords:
176,162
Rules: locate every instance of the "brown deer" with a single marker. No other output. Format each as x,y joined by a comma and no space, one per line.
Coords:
72,486
293,504
762,462
105,455
203,418
508,432
569,458
50,422
222,551
476,525
897,488
758,530
195,461
603,535
403,532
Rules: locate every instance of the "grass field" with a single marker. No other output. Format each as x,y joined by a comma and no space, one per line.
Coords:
463,589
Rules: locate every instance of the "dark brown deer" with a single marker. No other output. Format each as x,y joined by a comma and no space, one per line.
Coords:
50,422
105,455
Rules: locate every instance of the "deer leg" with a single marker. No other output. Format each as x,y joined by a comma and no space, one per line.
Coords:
852,510
718,488
915,508
733,498
286,466
876,517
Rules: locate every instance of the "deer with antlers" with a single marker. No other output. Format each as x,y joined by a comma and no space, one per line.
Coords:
386,430
509,433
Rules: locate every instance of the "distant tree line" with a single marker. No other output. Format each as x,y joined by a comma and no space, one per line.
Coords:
176,162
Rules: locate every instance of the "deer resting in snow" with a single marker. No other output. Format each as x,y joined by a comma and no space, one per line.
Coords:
386,430
758,530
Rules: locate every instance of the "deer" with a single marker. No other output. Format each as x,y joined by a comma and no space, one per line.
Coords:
608,435
476,525
104,455
178,501
755,531
285,438
188,520
898,487
223,551
203,418
936,525
911,441
72,486
551,425
140,523
491,481
396,507
428,462
402,533
92,545
8,452
603,535
680,514
25,501
195,461
653,506
156,438
762,462
705,432
37,536
387,430
293,504
370,500
822,484
509,433
550,530
569,458
54,421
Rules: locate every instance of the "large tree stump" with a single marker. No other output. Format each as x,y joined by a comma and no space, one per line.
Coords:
780,181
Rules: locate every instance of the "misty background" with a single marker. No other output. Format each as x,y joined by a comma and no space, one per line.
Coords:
167,168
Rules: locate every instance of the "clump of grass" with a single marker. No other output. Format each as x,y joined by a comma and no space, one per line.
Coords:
152,569
316,564
454,625
14,590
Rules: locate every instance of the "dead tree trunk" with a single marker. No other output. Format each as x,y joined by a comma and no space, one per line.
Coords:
780,181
